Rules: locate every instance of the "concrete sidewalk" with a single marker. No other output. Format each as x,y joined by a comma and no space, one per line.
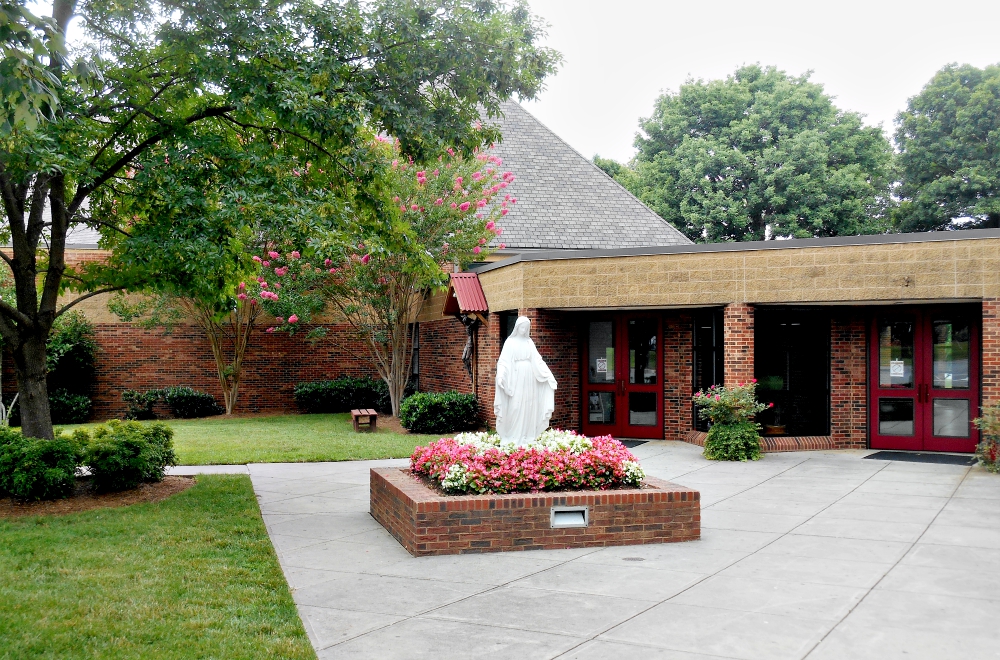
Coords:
820,555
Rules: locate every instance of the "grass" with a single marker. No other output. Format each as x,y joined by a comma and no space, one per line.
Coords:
193,576
283,439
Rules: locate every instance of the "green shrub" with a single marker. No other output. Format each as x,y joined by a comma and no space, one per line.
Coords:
343,395
445,412
70,351
35,469
186,402
988,450
733,442
140,404
121,455
68,408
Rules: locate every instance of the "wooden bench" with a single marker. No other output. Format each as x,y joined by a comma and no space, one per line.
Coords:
365,418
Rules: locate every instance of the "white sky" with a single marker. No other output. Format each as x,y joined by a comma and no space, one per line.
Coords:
870,54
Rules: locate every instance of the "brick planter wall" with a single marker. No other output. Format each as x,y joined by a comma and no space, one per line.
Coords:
426,522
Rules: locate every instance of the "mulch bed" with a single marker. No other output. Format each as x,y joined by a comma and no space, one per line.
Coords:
84,499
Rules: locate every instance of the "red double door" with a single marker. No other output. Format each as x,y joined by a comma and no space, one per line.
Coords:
623,376
924,379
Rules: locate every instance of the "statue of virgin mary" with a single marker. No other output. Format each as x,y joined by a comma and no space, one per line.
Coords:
525,388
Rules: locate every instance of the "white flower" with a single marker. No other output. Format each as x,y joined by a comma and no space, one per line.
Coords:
457,478
634,474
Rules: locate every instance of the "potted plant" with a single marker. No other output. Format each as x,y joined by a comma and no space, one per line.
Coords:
733,434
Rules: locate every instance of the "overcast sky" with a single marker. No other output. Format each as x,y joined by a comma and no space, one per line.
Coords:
870,54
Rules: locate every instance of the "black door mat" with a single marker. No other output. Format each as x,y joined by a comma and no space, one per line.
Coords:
632,443
923,457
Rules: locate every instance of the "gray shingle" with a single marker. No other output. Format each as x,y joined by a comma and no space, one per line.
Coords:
564,201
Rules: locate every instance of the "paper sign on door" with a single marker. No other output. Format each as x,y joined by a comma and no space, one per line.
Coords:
896,369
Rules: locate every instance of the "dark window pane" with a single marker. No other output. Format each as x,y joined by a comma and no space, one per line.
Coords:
895,354
602,352
642,351
951,355
951,418
642,408
601,407
895,416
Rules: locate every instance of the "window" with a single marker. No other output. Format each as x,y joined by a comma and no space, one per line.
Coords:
792,367
708,355
507,321
415,363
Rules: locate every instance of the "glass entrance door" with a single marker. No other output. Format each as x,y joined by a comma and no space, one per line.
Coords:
622,383
925,380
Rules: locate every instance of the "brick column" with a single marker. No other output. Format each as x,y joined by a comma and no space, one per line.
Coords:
678,380
991,352
848,381
737,325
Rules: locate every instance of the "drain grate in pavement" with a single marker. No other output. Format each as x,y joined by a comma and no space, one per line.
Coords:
923,457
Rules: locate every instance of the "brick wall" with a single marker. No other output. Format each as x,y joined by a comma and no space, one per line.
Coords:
848,380
134,358
441,366
990,394
677,375
426,522
738,336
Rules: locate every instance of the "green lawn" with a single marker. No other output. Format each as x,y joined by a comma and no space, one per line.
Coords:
283,439
194,576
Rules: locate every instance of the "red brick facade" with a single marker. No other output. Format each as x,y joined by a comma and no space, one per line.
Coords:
737,322
426,522
678,379
848,380
134,358
990,392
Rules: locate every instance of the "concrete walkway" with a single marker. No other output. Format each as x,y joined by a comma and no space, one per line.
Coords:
817,555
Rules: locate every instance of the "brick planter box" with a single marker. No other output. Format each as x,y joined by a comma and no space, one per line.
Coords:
426,522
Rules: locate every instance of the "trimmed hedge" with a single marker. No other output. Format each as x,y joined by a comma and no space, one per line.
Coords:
187,402
733,442
35,469
121,455
439,412
66,407
343,395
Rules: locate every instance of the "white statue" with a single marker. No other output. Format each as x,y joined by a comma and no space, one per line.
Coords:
525,388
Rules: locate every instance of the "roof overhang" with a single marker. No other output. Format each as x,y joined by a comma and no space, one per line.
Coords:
465,296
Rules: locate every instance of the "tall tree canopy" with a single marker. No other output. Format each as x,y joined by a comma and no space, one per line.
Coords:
760,154
159,102
949,152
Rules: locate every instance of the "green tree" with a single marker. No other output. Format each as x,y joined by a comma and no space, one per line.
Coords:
760,155
172,95
948,155
437,214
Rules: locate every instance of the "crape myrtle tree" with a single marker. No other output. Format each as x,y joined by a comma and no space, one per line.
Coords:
164,88
435,214
949,160
759,155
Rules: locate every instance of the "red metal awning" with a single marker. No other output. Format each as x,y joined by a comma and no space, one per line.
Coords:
465,295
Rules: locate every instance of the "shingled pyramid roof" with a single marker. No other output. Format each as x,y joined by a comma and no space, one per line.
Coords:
564,201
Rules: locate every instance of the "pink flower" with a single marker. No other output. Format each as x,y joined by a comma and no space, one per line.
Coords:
438,202
277,285
451,152
421,174
402,207
490,224
454,205
243,285
279,319
256,258
458,180
273,254
242,296
481,203
504,211
327,262
295,254
365,259
464,206
396,199
269,330
333,270
265,264
476,250
263,285
293,319
414,207
482,241
502,246
476,176
770,405
498,231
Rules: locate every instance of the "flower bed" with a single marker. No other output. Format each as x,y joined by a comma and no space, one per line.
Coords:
557,460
